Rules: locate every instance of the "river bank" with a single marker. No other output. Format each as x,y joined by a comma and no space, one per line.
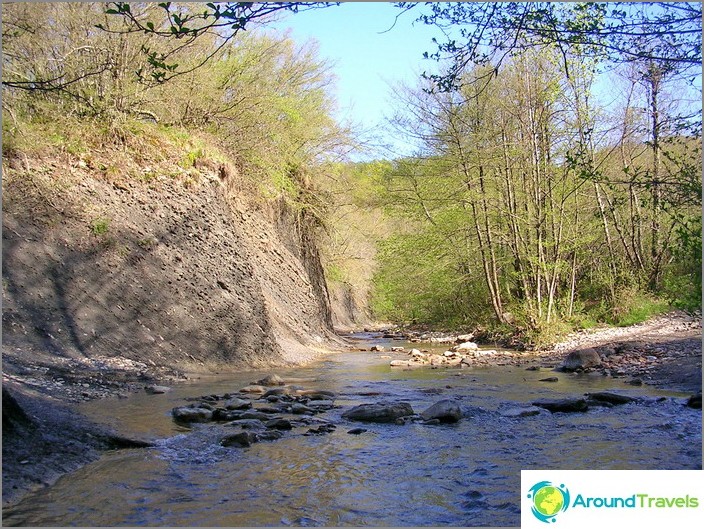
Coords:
53,438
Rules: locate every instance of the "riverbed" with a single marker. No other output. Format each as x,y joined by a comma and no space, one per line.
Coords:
463,474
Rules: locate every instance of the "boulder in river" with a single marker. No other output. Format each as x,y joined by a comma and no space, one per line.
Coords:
188,414
563,405
237,404
247,424
400,363
278,424
466,346
253,388
156,390
377,348
271,380
379,412
581,359
611,398
242,439
445,411
528,411
695,401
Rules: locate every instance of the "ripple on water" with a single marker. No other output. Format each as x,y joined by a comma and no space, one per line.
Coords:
467,474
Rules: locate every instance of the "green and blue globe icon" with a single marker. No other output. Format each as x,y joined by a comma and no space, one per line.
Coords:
548,500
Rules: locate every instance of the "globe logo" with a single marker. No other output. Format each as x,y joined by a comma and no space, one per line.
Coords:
548,500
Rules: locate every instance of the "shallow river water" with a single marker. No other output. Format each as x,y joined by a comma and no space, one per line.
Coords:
466,474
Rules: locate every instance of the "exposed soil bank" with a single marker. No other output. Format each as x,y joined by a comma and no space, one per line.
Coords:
117,279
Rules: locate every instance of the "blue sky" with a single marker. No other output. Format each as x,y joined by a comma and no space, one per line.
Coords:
370,53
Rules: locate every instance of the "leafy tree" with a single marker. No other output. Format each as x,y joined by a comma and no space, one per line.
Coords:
487,33
179,25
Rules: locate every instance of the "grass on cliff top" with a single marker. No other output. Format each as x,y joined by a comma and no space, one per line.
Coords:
129,148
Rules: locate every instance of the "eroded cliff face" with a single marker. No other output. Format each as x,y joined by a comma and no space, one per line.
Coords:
195,274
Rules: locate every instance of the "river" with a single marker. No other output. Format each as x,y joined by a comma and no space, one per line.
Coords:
465,474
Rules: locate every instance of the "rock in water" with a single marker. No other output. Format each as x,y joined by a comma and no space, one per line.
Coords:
356,431
271,380
253,388
564,405
466,346
278,424
239,439
186,414
237,404
611,398
446,411
521,412
156,390
379,412
695,401
581,359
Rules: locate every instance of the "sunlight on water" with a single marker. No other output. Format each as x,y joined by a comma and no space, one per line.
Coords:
467,474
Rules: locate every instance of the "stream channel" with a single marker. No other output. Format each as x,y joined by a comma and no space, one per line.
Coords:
464,474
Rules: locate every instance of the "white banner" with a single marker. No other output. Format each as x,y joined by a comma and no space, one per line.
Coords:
572,499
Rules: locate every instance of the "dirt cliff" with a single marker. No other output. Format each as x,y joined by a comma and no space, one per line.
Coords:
146,270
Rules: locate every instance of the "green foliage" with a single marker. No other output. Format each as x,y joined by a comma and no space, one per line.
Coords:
633,305
100,226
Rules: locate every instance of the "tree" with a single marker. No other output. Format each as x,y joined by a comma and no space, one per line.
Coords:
179,25
486,33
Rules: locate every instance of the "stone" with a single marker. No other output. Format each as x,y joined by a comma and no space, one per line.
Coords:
278,424
301,409
563,405
549,379
466,346
156,390
397,349
253,388
316,394
242,439
462,338
269,435
521,412
379,412
581,359
695,401
446,411
237,404
611,398
377,348
321,430
253,414
276,392
248,424
356,431
221,414
187,414
271,380
400,363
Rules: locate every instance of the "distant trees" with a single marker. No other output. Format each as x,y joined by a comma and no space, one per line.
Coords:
543,205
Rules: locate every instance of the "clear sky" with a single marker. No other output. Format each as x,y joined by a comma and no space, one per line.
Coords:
371,51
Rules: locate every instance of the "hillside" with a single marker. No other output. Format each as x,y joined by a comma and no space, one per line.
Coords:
124,260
